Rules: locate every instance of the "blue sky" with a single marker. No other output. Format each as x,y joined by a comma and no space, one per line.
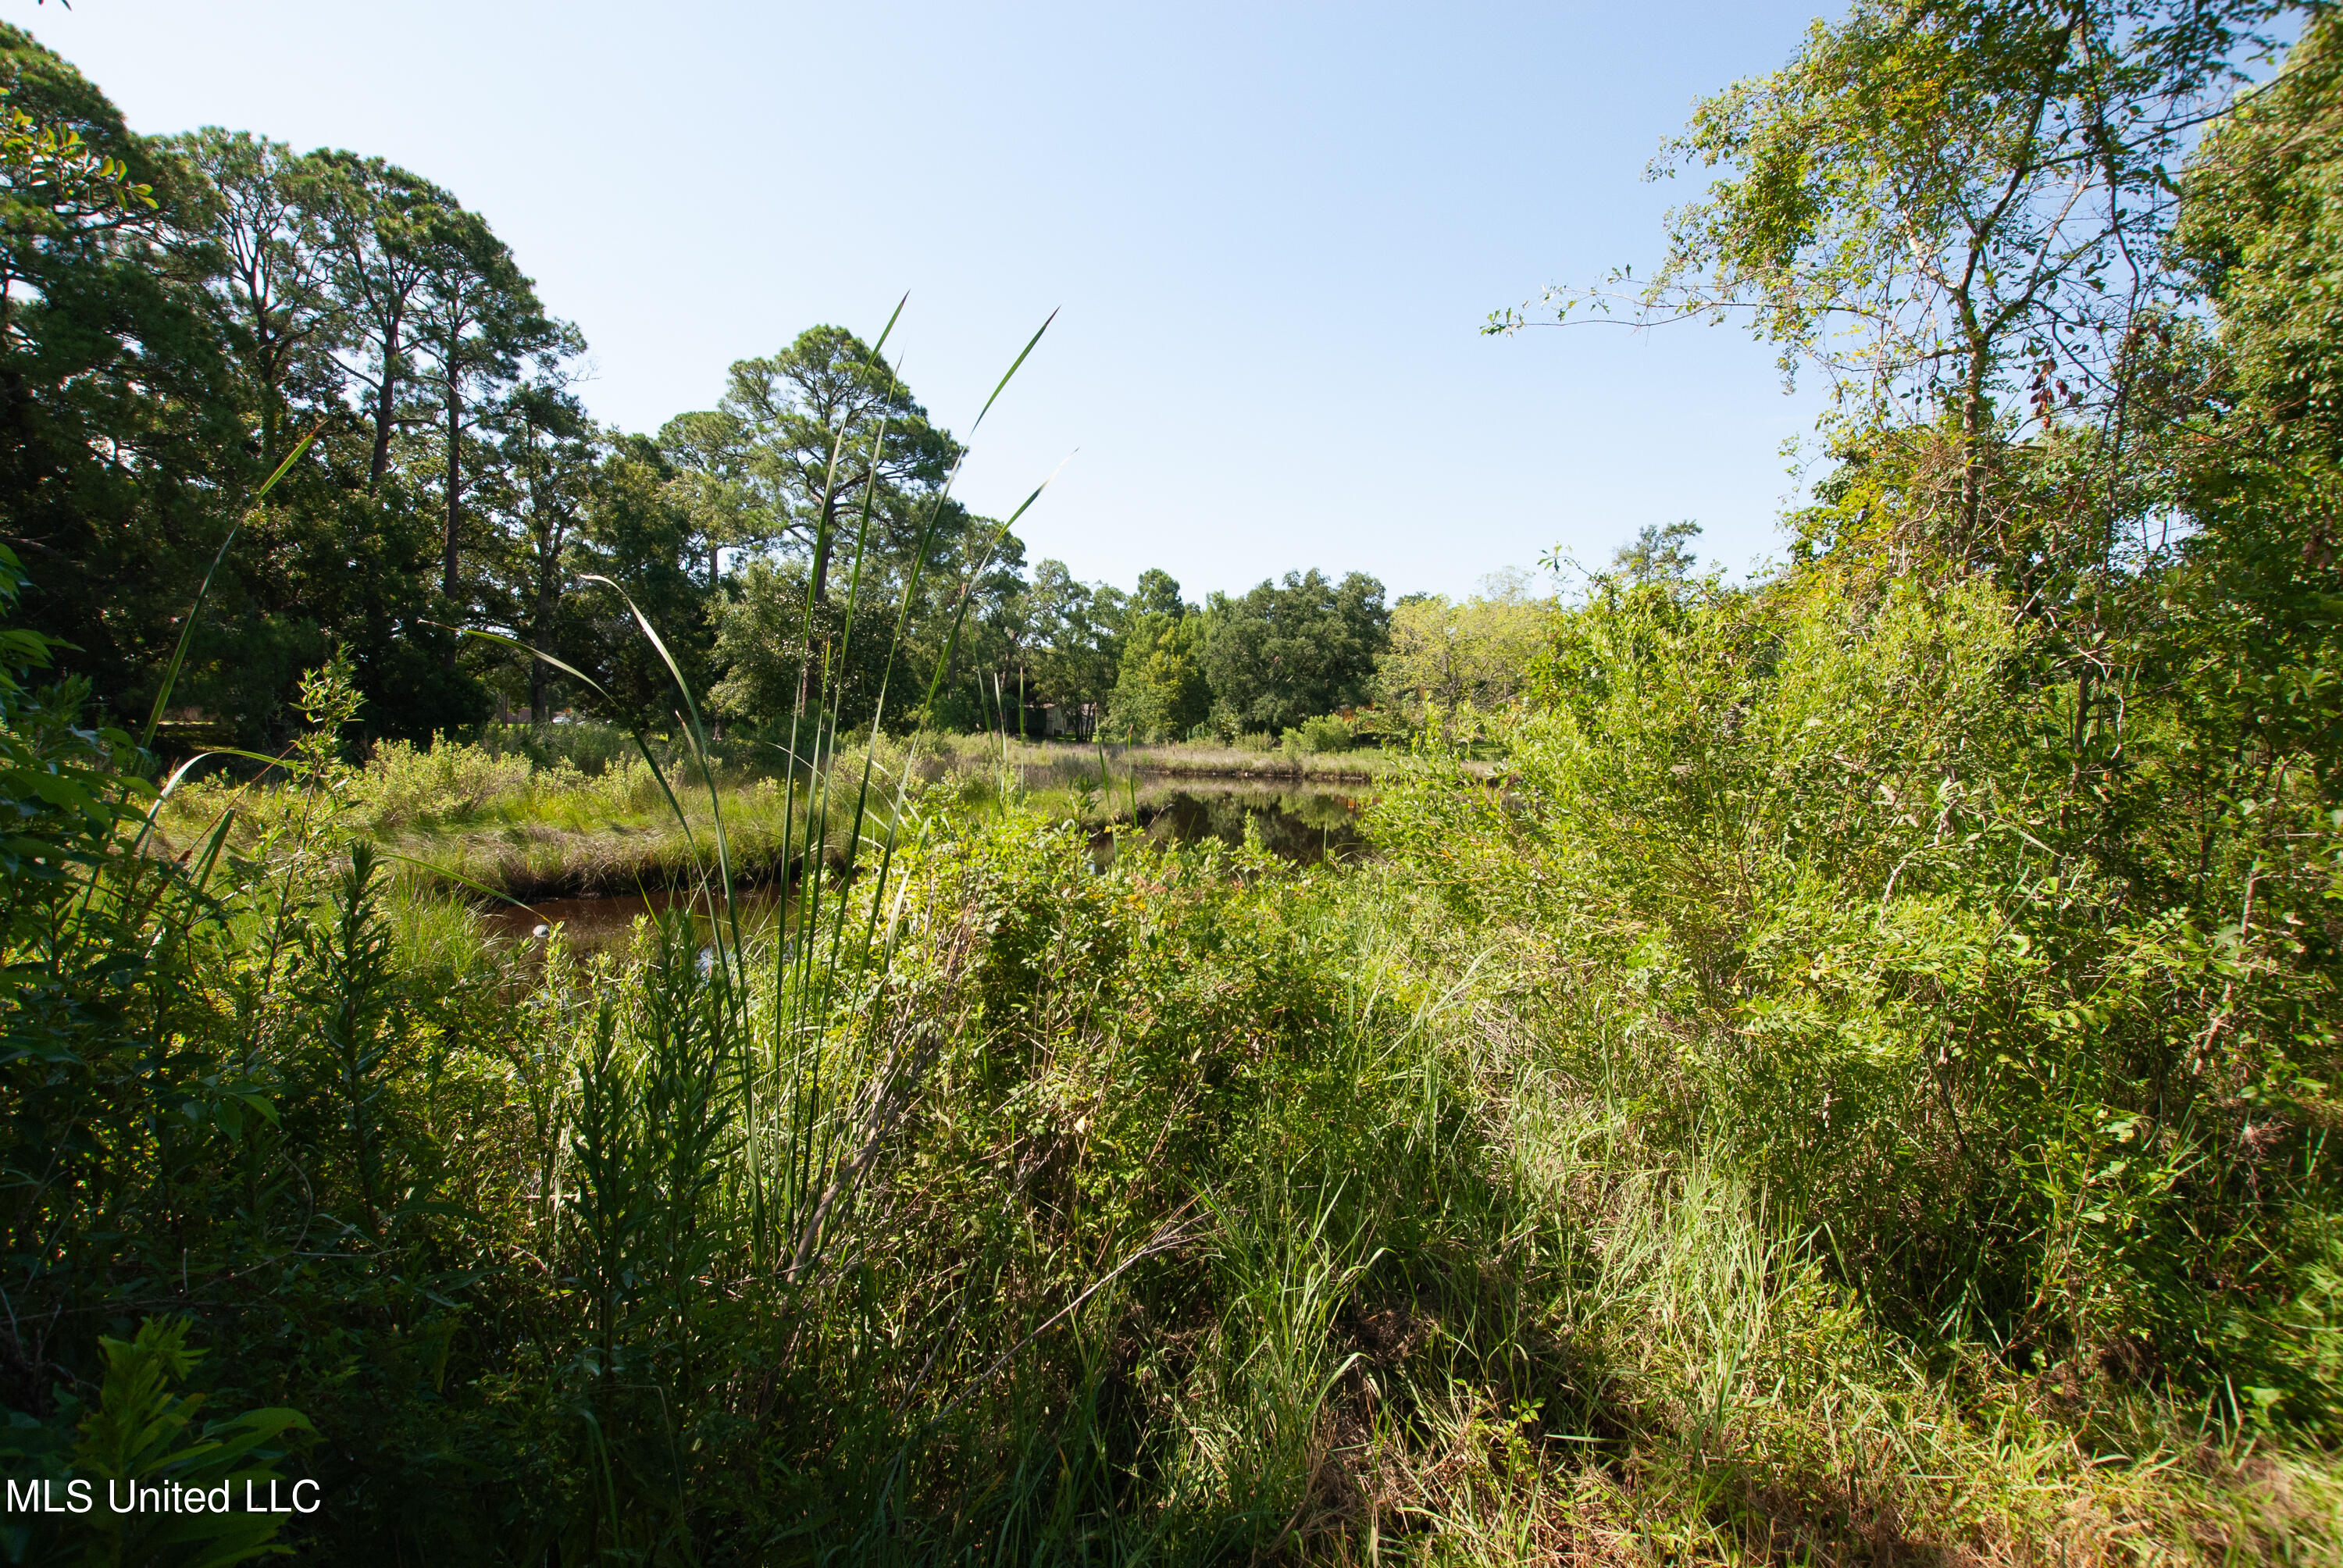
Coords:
1272,233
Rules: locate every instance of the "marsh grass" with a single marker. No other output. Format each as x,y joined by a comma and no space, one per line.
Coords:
1187,1212
1180,1213
1063,764
464,816
991,1206
542,840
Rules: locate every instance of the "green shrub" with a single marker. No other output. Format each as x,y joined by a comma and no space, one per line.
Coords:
404,783
1200,1208
1808,871
1329,732
587,745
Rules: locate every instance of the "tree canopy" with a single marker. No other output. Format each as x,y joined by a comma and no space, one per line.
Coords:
1286,651
176,313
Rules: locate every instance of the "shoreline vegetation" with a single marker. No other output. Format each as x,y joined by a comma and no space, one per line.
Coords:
518,816
1866,1089
1466,1266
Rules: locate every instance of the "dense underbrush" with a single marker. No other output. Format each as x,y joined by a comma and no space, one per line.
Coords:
2011,1026
1842,1069
1693,1150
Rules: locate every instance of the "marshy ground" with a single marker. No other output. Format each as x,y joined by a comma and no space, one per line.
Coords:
1219,1191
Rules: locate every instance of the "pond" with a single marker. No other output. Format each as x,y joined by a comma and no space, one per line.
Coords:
593,923
1299,823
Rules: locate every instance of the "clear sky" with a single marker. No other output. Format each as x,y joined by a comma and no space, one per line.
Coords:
1271,232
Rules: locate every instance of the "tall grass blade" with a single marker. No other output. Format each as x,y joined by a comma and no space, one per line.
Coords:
698,738
187,628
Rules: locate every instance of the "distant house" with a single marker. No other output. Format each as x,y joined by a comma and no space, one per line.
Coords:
1078,720
182,729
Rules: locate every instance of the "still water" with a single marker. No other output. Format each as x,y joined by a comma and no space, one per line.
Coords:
592,923
1302,825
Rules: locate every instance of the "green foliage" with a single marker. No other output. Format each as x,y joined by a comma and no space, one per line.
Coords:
1160,691
56,809
113,1474
139,1436
1954,211
2255,597
804,441
639,530
1843,883
105,335
1858,1085
198,303
762,635
2261,223
1451,659
1321,735
1195,1208
1070,642
1285,652
1158,593
1659,553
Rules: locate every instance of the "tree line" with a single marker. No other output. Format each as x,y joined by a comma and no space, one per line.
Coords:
180,316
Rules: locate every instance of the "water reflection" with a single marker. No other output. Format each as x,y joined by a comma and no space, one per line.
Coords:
1302,825
588,925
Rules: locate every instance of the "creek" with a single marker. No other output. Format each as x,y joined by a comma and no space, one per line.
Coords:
1302,823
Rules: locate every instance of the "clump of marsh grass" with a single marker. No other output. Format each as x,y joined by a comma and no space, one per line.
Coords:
987,1205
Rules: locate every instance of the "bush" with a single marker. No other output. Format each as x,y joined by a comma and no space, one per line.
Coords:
1329,733
405,784
1183,1211
1807,871
588,745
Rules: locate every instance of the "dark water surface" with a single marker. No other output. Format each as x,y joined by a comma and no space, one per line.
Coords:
1305,825
600,923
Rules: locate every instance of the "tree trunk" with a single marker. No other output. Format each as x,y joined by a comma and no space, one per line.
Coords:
448,536
1972,447
548,601
269,356
822,543
386,406
455,455
811,683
